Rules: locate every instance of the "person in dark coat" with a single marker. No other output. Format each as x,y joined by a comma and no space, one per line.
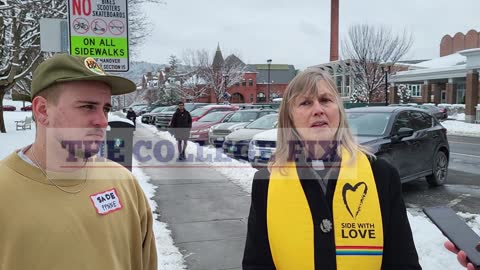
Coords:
181,124
325,202
131,115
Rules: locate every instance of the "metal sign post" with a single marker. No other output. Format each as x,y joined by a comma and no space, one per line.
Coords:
99,29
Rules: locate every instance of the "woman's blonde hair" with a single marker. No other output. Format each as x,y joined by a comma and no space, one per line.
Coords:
305,83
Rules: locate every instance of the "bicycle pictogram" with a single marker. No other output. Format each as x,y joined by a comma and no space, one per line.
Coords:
99,26
116,27
80,25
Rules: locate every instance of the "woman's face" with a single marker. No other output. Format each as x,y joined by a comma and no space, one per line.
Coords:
316,118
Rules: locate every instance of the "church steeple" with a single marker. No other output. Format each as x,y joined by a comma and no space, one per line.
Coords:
218,59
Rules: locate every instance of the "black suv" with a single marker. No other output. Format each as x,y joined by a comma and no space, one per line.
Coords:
409,138
162,120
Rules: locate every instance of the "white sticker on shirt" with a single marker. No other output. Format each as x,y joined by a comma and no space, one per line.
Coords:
106,202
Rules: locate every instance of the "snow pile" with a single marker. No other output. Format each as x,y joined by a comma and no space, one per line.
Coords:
461,128
445,61
239,172
169,257
15,139
428,239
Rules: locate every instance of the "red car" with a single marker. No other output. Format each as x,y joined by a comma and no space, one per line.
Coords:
199,131
26,108
9,108
198,113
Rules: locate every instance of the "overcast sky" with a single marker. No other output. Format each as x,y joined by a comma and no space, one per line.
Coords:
295,31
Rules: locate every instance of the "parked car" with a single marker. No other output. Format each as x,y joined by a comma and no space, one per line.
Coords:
152,107
409,138
241,118
439,113
199,131
136,107
26,108
198,113
8,108
261,147
149,118
162,120
236,143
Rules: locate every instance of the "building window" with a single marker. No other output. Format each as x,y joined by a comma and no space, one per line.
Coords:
244,83
338,82
415,90
250,82
461,93
237,83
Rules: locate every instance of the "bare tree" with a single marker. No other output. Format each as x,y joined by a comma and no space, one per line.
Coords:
20,34
368,48
19,52
194,85
217,79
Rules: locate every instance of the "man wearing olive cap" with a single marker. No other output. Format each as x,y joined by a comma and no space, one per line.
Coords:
59,207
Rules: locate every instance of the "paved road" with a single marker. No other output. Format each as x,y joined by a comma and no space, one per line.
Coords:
465,155
463,189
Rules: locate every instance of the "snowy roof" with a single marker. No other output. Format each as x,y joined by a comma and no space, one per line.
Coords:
195,80
445,61
278,73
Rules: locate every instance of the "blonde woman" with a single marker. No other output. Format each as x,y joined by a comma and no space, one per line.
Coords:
325,202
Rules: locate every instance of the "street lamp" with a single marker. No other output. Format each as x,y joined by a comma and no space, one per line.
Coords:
269,61
225,94
386,71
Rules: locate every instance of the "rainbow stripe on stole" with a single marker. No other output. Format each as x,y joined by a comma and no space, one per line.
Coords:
356,214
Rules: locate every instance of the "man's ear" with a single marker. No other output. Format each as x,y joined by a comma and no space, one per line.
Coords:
39,110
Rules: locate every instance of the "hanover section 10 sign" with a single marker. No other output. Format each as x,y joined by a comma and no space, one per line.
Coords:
98,28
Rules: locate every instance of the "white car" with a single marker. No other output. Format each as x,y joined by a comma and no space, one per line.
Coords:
236,144
261,147
241,118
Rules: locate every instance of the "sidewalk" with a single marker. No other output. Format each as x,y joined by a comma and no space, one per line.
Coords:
205,211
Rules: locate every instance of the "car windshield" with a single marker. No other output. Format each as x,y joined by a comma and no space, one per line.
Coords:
190,106
139,106
170,109
368,123
213,117
265,122
243,117
198,112
159,109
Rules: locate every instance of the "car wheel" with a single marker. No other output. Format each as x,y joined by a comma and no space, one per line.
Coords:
440,170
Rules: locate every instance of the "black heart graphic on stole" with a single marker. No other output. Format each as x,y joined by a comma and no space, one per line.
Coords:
354,205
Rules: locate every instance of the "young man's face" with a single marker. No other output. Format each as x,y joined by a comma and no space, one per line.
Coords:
81,113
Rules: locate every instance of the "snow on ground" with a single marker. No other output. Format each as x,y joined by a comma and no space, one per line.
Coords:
15,139
239,172
428,239
169,257
457,127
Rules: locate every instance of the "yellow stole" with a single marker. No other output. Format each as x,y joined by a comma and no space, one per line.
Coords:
357,218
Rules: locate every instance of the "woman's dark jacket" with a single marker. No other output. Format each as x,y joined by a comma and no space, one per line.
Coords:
399,249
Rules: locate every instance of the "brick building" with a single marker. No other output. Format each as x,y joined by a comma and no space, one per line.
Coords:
253,86
452,78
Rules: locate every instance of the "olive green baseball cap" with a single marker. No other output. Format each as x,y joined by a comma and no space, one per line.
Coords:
67,68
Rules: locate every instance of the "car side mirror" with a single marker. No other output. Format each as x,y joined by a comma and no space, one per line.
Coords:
402,133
